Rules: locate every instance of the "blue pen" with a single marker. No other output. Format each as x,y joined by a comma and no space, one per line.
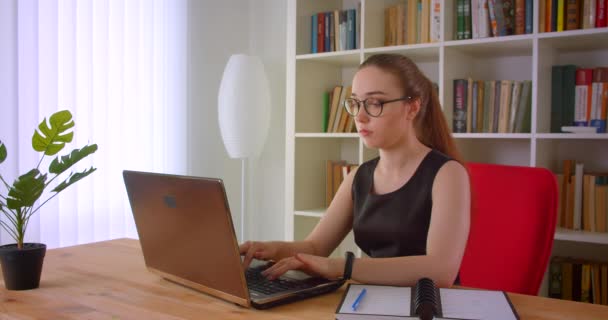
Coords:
359,298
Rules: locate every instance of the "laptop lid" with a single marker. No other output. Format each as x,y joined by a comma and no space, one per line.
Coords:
186,232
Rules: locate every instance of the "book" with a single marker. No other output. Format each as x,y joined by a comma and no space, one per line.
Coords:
582,96
578,196
459,124
588,15
599,98
528,19
520,16
435,23
574,129
573,14
424,301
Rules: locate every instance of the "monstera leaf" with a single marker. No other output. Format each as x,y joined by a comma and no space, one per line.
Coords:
26,190
2,152
51,140
61,164
73,178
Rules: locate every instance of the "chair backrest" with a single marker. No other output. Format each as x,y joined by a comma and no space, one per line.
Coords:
513,218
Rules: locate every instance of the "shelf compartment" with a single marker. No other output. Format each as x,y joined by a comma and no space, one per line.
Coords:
374,23
311,155
489,64
576,40
551,153
563,51
500,151
305,10
314,78
581,236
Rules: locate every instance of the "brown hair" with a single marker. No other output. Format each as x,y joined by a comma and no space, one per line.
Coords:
430,124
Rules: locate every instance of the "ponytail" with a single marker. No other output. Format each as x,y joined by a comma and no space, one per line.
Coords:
430,123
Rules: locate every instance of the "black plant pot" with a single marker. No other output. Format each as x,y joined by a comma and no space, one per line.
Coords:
22,268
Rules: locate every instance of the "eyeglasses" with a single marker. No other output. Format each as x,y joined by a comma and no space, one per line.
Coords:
372,106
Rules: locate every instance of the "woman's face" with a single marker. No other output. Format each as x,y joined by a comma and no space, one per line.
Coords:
391,126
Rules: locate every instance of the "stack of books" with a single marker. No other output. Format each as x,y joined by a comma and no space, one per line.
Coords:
496,106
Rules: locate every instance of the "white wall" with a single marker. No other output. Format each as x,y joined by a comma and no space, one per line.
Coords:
218,29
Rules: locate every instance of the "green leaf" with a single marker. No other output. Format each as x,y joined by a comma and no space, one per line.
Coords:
2,152
26,190
59,165
73,178
51,140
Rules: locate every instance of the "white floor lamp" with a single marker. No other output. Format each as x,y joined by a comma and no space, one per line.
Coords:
244,113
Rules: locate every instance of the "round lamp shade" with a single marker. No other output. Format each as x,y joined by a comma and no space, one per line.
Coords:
244,106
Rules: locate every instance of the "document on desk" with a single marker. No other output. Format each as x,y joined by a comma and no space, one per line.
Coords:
390,302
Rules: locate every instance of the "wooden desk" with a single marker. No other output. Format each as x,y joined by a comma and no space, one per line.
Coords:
108,280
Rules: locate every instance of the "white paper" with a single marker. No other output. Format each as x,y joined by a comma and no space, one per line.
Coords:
379,300
475,304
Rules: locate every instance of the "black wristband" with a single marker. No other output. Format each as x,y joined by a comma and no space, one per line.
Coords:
348,265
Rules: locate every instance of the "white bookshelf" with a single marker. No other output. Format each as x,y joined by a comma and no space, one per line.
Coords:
520,57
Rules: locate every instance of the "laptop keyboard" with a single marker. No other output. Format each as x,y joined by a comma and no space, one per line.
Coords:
257,282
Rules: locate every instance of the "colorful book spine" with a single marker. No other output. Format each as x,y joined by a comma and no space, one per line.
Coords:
475,18
589,12
459,115
435,23
554,12
313,34
493,22
327,27
325,110
568,94
484,20
460,19
572,14
582,97
474,107
529,15
599,99
508,8
467,19
602,14
321,32
520,16
560,15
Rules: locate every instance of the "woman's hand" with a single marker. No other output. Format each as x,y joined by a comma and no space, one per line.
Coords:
330,268
258,250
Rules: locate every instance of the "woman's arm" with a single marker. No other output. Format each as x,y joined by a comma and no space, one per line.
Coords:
325,237
446,241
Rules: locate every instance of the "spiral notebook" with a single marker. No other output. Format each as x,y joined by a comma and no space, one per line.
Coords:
423,301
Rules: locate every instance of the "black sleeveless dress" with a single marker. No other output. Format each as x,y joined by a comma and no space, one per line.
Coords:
396,223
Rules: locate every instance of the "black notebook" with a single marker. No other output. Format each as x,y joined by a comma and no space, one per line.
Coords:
423,301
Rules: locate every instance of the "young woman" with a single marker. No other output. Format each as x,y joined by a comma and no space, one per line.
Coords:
409,208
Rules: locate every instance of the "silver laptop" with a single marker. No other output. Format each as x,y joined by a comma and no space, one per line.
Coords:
187,236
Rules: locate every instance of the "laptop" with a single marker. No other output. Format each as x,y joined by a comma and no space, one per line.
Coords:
187,236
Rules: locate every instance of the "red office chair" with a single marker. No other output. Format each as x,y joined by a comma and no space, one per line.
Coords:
513,221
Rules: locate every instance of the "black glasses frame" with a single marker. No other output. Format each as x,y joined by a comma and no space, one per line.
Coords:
365,105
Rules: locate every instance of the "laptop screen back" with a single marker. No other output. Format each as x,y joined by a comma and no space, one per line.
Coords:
186,232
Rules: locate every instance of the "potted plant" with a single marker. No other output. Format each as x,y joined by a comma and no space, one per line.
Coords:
22,262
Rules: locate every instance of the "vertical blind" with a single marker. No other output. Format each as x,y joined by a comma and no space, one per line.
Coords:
120,67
